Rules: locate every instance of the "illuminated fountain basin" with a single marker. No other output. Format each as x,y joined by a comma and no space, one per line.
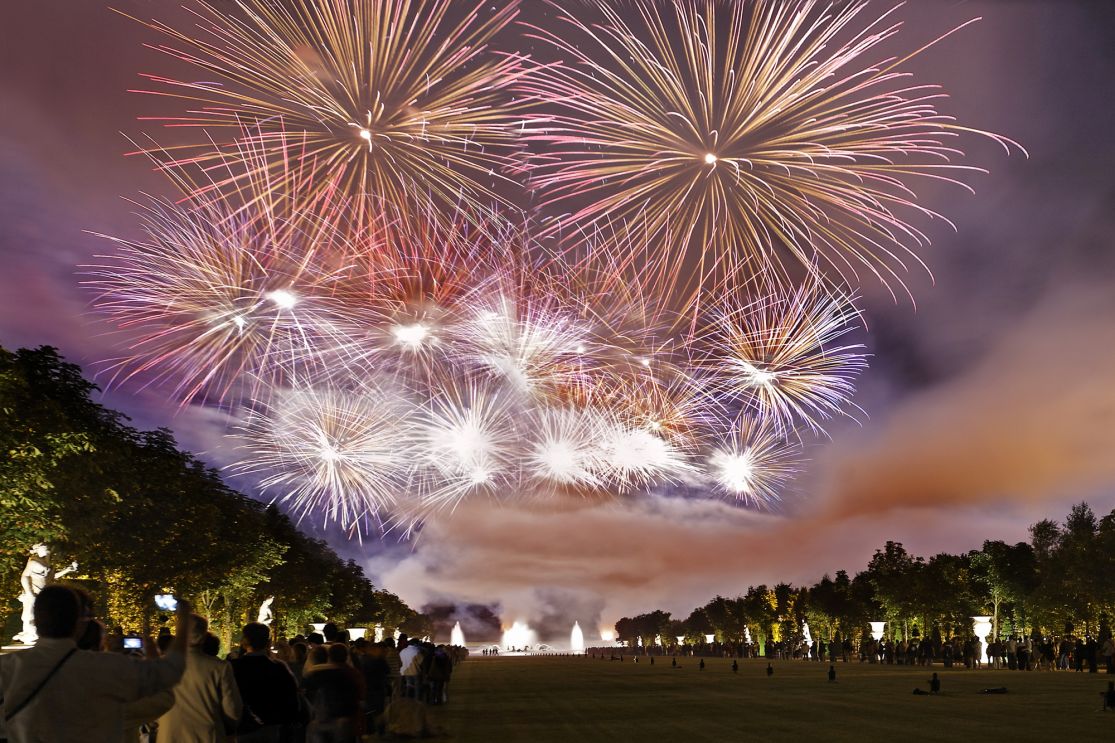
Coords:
518,636
457,636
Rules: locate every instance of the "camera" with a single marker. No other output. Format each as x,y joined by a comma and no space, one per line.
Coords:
166,602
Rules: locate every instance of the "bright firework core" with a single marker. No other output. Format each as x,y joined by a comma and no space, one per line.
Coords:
735,471
283,298
710,159
411,336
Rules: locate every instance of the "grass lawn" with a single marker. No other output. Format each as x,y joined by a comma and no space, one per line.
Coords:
582,699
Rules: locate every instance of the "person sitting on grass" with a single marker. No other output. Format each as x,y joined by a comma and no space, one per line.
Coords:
1109,696
934,685
770,669
832,674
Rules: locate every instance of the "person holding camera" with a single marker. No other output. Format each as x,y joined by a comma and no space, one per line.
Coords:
54,691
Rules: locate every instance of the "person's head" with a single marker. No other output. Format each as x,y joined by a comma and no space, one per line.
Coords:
163,643
319,656
92,637
330,631
40,550
343,636
199,628
338,654
57,610
257,637
315,638
211,644
283,652
300,651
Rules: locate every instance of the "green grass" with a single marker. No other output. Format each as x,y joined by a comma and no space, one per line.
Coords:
582,699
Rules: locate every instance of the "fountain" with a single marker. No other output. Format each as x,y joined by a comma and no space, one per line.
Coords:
357,633
607,635
577,639
378,633
457,636
877,630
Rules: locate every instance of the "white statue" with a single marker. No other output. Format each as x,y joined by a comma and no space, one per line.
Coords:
36,574
265,615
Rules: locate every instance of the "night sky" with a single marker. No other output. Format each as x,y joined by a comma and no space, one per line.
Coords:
988,406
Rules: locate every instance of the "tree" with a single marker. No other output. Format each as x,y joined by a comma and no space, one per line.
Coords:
761,606
894,575
145,517
1006,574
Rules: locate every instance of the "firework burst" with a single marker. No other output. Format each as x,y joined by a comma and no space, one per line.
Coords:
395,100
783,355
470,443
755,465
733,133
564,450
210,296
347,454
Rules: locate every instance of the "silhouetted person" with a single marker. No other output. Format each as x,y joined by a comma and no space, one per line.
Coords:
934,685
267,687
832,673
674,662
770,669
1109,696
735,666
701,665
652,660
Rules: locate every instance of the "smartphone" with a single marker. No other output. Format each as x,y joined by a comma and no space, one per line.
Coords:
166,602
133,643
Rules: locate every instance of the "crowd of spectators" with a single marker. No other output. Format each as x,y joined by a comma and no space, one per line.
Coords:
1011,653
80,683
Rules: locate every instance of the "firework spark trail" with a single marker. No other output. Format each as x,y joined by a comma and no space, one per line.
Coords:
735,132
396,100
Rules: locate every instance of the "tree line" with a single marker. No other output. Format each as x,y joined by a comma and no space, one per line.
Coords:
143,517
1061,583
